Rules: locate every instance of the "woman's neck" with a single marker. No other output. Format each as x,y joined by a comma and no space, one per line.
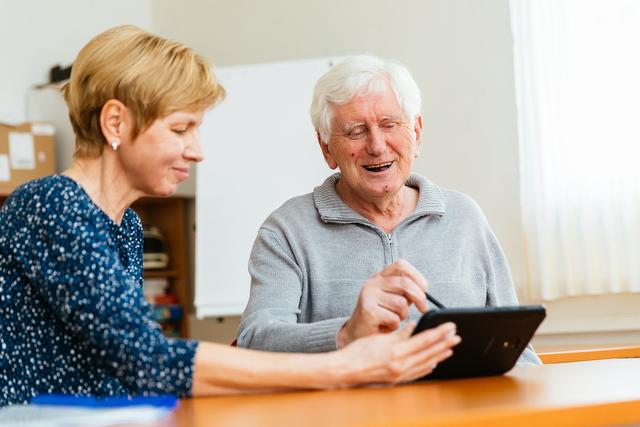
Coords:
102,179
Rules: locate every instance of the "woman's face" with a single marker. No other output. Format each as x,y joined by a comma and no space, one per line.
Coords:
373,145
158,160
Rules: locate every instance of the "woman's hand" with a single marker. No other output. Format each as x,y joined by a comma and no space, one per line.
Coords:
398,357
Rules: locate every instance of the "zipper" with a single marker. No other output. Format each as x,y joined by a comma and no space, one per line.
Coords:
392,247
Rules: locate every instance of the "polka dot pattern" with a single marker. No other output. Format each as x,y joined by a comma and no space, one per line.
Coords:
73,318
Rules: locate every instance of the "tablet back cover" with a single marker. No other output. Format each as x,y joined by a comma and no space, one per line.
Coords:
492,338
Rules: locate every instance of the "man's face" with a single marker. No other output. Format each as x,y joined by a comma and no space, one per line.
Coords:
373,145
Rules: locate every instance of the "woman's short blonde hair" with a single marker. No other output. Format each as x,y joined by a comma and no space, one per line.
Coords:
151,75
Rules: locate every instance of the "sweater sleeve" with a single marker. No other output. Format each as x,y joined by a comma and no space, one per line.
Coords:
76,271
501,290
271,319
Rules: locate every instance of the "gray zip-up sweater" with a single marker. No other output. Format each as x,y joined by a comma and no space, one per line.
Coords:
312,255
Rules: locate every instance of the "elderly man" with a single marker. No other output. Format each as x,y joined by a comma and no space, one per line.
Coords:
355,256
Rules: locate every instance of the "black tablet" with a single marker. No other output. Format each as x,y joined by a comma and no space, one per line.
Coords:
492,338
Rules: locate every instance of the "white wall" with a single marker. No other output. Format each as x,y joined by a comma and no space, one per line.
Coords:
36,35
460,52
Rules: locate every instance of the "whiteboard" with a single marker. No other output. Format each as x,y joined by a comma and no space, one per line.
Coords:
260,150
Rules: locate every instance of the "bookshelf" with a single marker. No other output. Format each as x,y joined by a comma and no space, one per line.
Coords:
169,215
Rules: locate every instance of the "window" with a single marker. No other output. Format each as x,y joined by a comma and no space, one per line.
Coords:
577,68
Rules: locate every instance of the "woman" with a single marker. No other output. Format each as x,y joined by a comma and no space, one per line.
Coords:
74,319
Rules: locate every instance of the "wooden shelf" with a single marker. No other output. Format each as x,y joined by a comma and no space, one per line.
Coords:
169,215
162,273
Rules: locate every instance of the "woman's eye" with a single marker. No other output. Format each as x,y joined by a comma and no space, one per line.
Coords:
180,131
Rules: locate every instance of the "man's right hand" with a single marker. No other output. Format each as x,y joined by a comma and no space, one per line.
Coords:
384,302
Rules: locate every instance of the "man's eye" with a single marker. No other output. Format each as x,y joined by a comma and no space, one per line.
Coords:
356,133
389,125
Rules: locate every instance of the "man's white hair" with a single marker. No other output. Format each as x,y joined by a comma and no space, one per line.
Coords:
359,75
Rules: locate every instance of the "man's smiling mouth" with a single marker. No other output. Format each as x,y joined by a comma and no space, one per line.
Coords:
379,167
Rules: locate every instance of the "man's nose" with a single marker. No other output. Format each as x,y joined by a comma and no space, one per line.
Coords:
375,141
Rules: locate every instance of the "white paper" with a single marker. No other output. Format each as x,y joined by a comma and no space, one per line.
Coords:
60,416
5,172
43,129
21,150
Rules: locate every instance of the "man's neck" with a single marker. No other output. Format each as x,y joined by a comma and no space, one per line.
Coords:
386,212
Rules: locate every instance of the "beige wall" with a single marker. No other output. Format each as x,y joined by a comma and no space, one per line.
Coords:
460,52
35,35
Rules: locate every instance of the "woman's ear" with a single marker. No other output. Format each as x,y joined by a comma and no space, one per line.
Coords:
113,122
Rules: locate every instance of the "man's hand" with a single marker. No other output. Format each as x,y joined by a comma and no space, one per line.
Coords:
384,302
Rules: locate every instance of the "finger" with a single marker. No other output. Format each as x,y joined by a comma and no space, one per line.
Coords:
444,356
419,365
375,316
429,366
407,288
406,332
422,363
435,349
395,294
424,368
389,320
395,303
404,268
425,340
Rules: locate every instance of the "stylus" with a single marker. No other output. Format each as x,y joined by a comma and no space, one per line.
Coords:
434,301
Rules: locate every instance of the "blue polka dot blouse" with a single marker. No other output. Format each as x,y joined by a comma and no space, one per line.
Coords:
73,318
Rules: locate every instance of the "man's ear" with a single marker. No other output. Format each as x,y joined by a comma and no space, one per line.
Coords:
113,121
417,128
326,152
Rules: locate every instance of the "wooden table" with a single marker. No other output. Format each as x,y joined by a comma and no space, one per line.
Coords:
587,352
600,392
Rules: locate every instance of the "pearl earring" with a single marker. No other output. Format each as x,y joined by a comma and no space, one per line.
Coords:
114,144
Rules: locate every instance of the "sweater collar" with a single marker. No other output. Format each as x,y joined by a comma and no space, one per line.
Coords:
331,207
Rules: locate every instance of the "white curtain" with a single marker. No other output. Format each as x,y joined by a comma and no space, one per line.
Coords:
577,67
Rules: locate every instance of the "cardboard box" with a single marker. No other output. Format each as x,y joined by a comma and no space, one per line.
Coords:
27,151
46,104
